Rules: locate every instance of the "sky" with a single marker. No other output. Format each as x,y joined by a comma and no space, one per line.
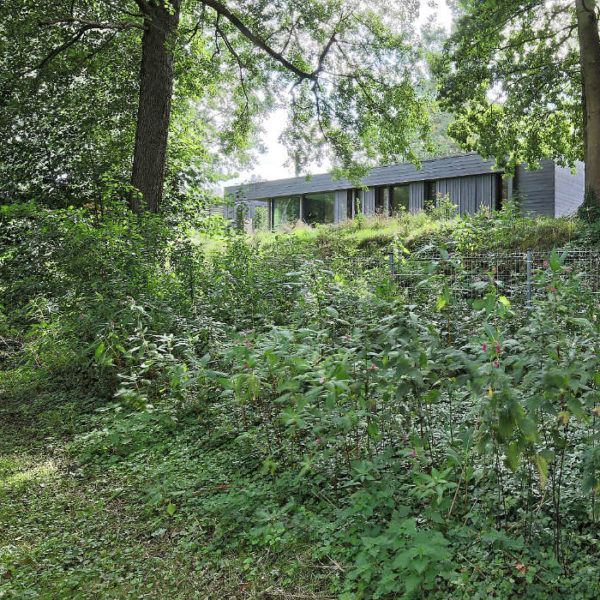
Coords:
271,164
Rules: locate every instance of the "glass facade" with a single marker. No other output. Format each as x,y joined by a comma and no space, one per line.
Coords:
286,211
318,208
399,198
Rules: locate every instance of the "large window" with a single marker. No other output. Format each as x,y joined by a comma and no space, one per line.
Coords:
318,208
399,199
430,195
286,211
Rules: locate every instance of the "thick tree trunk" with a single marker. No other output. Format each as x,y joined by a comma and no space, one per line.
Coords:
154,109
589,48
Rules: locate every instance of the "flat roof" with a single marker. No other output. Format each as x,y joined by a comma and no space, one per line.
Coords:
461,165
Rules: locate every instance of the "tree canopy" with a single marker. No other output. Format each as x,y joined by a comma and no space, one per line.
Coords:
210,70
512,74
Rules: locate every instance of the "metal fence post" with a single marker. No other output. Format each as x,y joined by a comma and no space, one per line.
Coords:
528,279
391,263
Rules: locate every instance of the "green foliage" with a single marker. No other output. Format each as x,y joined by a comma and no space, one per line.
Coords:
510,73
268,418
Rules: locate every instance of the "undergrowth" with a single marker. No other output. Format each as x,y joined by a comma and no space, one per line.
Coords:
256,423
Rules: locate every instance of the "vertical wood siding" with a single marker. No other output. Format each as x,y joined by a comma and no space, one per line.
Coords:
368,203
537,189
569,189
416,197
339,206
469,193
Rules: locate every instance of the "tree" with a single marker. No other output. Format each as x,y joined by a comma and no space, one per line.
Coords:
347,70
523,79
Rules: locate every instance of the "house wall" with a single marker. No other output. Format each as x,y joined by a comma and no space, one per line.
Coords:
340,206
416,197
569,189
439,168
368,202
536,188
470,193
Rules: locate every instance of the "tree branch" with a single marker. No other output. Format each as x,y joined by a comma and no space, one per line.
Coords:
258,41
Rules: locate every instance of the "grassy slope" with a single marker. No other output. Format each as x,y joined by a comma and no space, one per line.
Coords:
72,532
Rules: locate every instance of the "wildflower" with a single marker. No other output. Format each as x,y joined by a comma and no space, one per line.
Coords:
373,367
484,347
413,453
346,337
496,363
316,361
404,438
498,348
473,332
548,287
586,284
476,280
567,270
322,380
82,316
248,345
545,263
554,289
250,331
319,441
237,342
112,323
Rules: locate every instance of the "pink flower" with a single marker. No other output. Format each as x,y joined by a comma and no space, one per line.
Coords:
548,287
322,380
237,342
476,279
404,438
413,453
545,263
498,348
496,363
373,367
473,332
346,337
586,284
554,289
484,347
319,441
250,331
316,360
248,345
82,316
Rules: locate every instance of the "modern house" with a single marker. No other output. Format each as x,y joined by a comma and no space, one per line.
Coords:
469,181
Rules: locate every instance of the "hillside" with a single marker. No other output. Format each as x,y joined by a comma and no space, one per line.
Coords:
257,420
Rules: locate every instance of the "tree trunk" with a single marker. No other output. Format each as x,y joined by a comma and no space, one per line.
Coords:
154,108
589,50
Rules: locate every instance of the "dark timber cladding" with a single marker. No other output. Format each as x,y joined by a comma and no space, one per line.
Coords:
441,168
468,181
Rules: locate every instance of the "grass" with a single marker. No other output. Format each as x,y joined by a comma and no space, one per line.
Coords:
381,233
73,531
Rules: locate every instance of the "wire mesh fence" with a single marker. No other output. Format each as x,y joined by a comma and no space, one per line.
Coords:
468,276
